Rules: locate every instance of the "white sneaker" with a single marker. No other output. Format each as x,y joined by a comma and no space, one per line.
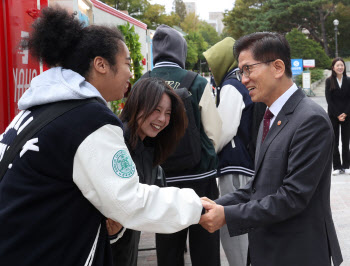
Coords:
347,171
337,172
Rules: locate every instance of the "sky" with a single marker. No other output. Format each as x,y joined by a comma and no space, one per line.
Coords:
203,6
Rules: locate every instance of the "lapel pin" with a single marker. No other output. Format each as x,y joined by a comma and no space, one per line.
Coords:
279,123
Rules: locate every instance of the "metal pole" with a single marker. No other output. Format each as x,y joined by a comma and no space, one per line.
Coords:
336,41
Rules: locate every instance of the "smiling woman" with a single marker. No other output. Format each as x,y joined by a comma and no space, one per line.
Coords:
338,97
154,110
154,121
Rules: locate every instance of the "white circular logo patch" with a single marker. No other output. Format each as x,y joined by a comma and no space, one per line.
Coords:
123,165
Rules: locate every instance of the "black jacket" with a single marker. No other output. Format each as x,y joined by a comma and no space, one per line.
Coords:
338,99
142,156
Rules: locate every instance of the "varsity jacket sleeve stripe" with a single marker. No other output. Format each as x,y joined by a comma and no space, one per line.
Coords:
230,110
210,117
107,177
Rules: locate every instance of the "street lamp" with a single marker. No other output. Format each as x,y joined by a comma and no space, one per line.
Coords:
336,23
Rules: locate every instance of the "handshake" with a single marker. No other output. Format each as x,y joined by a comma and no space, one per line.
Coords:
212,220
214,216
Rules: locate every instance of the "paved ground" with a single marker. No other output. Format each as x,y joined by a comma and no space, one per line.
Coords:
340,203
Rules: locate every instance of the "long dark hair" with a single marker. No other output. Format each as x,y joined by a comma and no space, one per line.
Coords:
60,39
142,101
333,77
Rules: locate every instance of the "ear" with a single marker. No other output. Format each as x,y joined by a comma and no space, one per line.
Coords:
279,68
100,65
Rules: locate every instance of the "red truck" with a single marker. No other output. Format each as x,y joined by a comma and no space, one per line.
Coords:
17,67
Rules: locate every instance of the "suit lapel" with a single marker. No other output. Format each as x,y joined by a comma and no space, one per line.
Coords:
276,127
273,132
258,144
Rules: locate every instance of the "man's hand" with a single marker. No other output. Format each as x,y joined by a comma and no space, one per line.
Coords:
214,218
113,227
208,200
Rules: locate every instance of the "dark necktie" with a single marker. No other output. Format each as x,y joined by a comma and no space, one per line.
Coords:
267,118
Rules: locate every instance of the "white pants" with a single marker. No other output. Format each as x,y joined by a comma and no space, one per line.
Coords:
236,248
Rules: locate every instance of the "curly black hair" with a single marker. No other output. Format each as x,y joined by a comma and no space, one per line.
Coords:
60,39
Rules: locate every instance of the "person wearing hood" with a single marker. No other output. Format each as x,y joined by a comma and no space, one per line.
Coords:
152,114
77,171
169,56
235,164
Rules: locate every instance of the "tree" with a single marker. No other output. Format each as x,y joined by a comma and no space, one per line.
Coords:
153,16
301,47
342,13
180,8
246,17
282,16
196,45
191,23
134,7
310,15
209,34
171,20
192,54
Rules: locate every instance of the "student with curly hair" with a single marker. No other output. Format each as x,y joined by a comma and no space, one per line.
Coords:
77,170
153,114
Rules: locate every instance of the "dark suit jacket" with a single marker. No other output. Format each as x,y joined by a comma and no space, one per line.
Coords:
286,207
338,99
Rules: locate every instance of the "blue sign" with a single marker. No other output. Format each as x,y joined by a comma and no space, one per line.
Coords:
297,66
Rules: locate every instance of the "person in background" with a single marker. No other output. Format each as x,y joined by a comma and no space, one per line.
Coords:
285,208
338,100
169,56
77,171
212,83
152,115
235,164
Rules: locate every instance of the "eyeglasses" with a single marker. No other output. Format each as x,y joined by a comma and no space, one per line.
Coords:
246,68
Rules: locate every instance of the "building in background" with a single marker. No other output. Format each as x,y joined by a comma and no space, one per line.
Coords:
215,20
190,7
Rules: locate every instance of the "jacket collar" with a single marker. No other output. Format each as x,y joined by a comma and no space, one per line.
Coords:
276,127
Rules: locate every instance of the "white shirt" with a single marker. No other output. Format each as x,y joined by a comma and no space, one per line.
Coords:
340,82
277,105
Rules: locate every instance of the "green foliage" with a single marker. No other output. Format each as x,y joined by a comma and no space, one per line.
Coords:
171,20
246,17
180,8
342,13
301,47
134,46
192,54
134,7
282,16
196,45
316,74
191,23
132,42
209,34
152,16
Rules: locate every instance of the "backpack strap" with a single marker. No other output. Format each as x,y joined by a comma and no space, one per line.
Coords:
50,113
188,80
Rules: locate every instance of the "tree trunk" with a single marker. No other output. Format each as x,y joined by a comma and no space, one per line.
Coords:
323,31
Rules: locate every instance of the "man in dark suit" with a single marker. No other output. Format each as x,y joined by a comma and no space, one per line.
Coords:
286,207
